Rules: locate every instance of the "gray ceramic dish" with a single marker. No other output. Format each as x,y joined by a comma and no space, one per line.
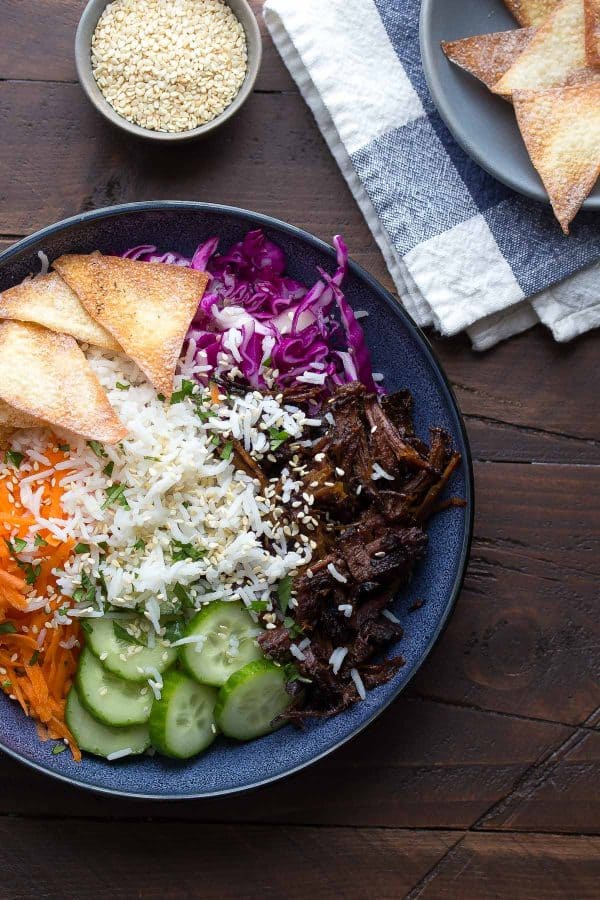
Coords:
483,124
83,43
401,352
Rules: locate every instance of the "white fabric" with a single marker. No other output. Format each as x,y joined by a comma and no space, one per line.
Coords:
346,69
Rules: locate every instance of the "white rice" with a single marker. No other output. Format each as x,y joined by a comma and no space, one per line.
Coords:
379,472
390,615
335,573
297,652
119,754
337,658
179,492
358,683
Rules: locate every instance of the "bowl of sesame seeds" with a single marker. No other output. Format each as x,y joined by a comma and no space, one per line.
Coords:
168,70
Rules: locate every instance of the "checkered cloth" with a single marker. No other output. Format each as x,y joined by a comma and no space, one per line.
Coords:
465,252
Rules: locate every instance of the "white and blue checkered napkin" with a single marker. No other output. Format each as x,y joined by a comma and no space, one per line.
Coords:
464,251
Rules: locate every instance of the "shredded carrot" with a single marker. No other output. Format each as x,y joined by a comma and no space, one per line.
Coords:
214,392
36,668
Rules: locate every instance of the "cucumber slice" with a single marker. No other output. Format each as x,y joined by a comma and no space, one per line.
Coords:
121,657
102,740
182,722
110,699
251,699
218,623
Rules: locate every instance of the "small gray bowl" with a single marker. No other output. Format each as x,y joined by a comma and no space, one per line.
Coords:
83,61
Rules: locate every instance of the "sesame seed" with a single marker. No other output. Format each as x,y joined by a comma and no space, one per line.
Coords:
169,66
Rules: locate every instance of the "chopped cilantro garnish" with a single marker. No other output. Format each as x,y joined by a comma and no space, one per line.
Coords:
122,634
153,458
14,457
181,551
32,573
39,541
161,397
103,546
277,436
215,440
205,414
58,748
293,629
87,591
97,448
268,362
34,658
108,468
227,450
16,546
64,448
174,630
82,548
186,390
259,606
6,684
86,626
139,544
292,674
183,596
284,591
122,387
8,628
115,494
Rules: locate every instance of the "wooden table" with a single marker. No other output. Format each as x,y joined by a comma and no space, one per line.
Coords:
483,779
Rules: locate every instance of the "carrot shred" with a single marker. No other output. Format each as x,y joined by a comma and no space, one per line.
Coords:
36,668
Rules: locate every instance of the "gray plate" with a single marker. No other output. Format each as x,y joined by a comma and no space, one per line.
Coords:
483,124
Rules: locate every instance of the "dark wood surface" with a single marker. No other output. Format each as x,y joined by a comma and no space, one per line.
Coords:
483,780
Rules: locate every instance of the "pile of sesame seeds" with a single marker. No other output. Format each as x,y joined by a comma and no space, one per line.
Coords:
169,65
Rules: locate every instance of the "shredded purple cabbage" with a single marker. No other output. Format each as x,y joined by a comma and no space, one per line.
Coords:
273,329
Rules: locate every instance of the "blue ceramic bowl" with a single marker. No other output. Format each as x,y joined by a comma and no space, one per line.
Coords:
402,353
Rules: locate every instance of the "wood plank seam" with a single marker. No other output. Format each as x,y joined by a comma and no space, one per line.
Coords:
417,889
532,778
432,697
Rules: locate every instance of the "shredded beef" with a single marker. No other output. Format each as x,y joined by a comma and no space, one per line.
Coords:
372,539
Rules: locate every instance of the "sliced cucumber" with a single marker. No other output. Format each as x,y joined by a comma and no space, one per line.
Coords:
110,699
126,659
102,740
251,699
222,627
182,722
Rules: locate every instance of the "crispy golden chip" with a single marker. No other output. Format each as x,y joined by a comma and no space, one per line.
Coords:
561,129
146,306
14,418
46,300
555,55
530,12
488,56
46,375
592,31
6,433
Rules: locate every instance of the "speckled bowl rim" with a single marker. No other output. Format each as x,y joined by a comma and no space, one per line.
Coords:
407,322
91,15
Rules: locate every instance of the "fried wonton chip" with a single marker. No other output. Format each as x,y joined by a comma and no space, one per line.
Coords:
47,300
6,433
148,307
488,56
592,31
561,129
530,12
14,418
46,375
555,55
